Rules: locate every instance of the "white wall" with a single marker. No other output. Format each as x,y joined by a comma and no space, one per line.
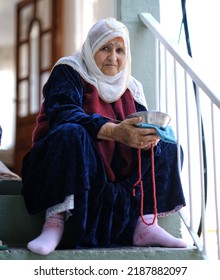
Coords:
7,96
80,15
203,23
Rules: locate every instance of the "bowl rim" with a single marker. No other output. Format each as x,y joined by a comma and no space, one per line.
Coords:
141,113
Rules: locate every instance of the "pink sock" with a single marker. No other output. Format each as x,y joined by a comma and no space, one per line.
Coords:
50,237
154,235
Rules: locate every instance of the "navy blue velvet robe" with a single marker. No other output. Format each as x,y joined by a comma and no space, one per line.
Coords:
66,160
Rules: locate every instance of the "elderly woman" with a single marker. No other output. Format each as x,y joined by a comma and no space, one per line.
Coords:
84,164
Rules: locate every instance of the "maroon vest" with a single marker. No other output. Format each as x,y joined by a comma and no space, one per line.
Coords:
119,109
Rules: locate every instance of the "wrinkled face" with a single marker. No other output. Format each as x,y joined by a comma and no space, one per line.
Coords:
111,57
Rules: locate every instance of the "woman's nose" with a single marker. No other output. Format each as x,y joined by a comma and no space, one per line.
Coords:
112,56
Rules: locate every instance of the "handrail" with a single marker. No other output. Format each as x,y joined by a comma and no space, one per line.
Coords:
186,62
183,59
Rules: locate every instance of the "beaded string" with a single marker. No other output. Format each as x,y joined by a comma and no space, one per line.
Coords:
140,182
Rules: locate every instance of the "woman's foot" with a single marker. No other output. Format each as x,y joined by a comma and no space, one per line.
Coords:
50,237
154,235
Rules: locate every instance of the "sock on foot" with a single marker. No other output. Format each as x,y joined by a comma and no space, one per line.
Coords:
154,235
50,237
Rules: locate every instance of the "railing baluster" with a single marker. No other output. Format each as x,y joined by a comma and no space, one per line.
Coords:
166,86
188,150
157,71
215,179
177,116
199,118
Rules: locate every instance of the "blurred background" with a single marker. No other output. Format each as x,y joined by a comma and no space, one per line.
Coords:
35,33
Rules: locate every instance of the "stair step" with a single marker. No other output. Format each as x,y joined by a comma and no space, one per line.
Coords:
122,253
13,217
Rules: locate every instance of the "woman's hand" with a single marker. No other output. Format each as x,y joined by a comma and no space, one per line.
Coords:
127,133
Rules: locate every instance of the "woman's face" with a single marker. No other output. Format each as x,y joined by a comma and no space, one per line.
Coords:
111,57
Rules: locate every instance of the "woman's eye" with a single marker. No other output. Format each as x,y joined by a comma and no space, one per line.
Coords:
105,49
120,50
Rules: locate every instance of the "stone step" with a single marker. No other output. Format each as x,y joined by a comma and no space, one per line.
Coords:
18,227
129,253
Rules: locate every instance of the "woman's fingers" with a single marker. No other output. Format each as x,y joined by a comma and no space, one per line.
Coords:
136,137
133,121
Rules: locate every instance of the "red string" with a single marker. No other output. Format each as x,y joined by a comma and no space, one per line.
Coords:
140,182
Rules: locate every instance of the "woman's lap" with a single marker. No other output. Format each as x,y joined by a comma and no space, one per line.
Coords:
64,162
67,162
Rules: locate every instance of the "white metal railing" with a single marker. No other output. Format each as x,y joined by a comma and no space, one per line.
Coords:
195,112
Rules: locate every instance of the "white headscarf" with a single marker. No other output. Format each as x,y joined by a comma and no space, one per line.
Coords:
110,88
